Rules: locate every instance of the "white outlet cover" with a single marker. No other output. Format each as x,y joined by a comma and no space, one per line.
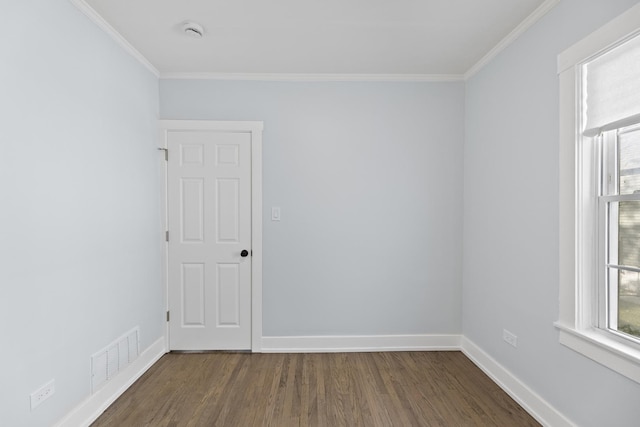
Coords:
42,394
510,338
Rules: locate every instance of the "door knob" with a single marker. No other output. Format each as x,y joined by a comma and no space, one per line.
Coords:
244,253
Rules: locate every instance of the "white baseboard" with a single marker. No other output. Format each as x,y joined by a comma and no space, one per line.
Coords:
535,405
92,407
360,343
89,410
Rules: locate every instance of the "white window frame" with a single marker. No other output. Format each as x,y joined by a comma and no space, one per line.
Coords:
609,194
579,240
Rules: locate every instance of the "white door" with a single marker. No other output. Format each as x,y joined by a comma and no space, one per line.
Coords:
209,217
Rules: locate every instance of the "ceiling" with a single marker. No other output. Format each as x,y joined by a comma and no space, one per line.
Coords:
371,37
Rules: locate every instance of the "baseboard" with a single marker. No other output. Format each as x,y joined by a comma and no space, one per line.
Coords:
89,410
360,343
535,405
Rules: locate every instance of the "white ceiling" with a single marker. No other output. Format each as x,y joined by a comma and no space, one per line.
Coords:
398,37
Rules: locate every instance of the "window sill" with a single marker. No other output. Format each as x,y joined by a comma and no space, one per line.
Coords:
598,347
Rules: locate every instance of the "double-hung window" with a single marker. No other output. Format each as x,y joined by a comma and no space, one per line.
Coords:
600,195
618,220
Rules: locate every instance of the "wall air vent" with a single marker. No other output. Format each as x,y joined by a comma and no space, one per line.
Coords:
106,363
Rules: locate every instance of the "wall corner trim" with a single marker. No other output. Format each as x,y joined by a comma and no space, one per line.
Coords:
94,16
529,21
534,404
360,343
91,408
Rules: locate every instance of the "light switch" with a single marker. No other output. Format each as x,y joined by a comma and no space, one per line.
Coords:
275,213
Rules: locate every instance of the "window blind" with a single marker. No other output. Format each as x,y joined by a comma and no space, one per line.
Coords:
612,83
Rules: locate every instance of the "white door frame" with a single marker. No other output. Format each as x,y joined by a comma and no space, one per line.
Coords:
255,128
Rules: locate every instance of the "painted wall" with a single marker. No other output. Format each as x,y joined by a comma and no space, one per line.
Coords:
369,180
511,220
80,245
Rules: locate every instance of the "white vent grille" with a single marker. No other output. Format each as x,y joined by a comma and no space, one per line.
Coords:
106,363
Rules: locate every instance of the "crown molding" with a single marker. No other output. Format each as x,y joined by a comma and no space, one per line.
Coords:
94,16
622,28
534,17
288,77
537,14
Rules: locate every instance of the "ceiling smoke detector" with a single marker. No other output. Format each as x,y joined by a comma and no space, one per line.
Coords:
193,30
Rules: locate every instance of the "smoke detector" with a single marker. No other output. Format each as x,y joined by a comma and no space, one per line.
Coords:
193,30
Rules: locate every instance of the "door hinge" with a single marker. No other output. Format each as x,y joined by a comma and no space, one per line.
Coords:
166,235
168,316
166,153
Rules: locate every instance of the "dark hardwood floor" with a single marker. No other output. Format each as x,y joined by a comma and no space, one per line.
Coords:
339,389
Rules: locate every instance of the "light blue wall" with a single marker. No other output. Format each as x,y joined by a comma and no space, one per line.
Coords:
511,220
369,180
80,231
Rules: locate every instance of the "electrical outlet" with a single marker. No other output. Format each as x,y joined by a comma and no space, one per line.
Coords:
510,338
42,394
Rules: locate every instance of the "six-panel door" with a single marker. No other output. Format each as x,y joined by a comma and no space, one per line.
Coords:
209,215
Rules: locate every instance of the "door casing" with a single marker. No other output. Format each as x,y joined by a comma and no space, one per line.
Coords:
255,128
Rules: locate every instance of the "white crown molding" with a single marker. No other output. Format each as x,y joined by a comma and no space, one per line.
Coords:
288,77
114,34
542,10
537,14
618,30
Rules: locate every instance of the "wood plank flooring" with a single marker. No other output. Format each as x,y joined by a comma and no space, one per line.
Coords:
338,389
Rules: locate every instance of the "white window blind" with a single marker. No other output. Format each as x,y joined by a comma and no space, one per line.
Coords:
613,89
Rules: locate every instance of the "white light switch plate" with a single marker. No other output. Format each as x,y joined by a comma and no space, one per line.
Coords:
275,213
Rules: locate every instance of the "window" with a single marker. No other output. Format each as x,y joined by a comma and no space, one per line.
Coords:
618,218
600,195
